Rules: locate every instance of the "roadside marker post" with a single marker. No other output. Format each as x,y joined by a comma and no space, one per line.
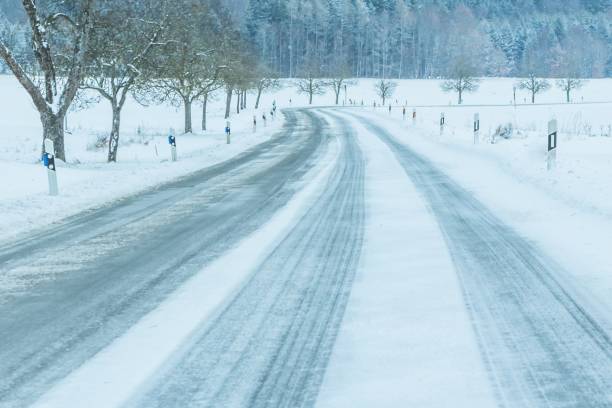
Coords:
404,113
254,123
48,160
172,143
442,123
228,132
551,159
476,128
413,116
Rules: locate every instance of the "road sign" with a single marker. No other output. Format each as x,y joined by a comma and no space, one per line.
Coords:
476,128
172,143
552,144
49,163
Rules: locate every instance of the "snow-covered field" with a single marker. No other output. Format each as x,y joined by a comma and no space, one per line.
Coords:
581,180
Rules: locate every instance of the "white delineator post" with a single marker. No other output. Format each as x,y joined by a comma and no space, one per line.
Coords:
442,123
172,143
228,132
414,117
476,128
49,162
551,159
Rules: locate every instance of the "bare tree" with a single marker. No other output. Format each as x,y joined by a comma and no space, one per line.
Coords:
569,84
59,41
339,78
534,85
385,89
264,79
119,46
235,79
187,67
310,86
462,79
309,82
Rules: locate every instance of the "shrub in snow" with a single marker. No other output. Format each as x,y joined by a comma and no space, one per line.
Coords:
100,142
506,131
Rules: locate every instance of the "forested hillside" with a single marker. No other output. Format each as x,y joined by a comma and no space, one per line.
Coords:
426,38
418,38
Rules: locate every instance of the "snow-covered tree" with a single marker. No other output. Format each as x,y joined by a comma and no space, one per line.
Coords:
123,38
188,65
59,37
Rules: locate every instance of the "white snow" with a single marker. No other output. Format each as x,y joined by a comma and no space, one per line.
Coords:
116,373
400,344
86,180
566,212
406,339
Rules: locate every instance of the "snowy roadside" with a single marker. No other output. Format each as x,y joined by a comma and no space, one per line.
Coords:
566,212
406,338
86,181
25,202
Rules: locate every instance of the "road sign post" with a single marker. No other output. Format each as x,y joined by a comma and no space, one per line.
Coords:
254,123
172,143
476,128
442,123
414,116
551,159
49,162
228,132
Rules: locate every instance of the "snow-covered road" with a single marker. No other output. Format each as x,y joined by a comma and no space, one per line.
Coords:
331,266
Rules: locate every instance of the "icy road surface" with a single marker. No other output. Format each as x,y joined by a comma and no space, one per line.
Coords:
228,288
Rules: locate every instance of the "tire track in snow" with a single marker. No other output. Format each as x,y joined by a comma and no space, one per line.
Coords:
270,345
116,264
541,347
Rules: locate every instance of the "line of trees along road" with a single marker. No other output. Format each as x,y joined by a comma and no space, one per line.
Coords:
158,51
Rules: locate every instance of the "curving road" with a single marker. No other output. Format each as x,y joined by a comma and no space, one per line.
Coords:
270,343
270,346
115,264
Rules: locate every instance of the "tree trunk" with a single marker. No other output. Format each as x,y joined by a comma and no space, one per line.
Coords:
204,105
567,95
259,90
238,97
337,91
244,99
113,140
533,96
460,96
187,103
53,128
228,101
310,98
